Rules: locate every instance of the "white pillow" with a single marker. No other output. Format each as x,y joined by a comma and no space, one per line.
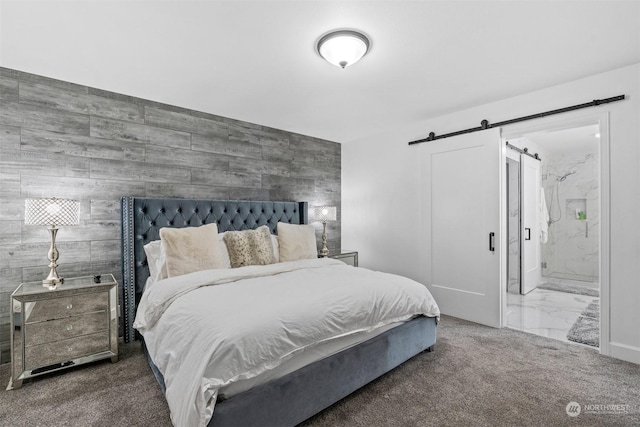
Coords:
224,252
191,249
276,247
147,284
157,260
297,242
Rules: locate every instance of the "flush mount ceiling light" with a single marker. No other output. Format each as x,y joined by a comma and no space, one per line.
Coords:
343,47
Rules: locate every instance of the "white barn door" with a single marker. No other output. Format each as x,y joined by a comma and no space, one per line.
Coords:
530,248
461,242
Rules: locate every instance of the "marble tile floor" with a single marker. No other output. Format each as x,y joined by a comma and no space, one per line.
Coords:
543,312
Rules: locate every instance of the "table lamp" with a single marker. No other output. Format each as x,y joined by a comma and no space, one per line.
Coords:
52,212
324,214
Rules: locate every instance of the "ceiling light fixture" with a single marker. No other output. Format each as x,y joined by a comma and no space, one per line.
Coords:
343,47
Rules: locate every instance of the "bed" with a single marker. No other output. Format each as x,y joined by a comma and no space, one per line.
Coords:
318,375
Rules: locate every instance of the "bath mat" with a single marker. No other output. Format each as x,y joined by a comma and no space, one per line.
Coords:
586,329
572,289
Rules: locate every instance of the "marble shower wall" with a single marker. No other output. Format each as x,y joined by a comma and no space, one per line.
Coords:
574,209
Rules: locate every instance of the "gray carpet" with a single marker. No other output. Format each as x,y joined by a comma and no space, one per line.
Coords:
586,329
478,376
569,288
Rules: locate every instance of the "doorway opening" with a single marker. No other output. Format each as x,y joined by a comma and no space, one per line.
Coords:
553,228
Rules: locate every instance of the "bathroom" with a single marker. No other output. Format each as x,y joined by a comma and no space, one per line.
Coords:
553,227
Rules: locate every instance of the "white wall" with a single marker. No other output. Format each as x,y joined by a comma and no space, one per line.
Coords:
381,181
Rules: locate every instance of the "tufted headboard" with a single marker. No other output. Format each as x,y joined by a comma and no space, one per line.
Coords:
143,217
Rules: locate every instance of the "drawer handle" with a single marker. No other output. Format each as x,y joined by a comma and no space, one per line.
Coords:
69,306
69,327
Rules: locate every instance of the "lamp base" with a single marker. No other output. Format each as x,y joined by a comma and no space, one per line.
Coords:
53,283
53,279
325,250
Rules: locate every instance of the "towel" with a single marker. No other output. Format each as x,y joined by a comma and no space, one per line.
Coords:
544,218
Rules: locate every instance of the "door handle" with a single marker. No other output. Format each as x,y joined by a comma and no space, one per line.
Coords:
528,236
492,236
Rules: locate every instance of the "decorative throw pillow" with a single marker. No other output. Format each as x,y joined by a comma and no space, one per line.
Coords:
250,247
297,242
191,249
156,260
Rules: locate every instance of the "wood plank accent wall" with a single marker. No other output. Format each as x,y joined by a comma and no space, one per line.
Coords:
59,139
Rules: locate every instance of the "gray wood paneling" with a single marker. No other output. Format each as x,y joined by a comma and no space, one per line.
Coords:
225,178
274,182
10,180
138,171
258,194
255,134
226,146
105,209
210,127
60,139
105,250
28,254
78,188
133,132
187,158
272,167
80,145
9,138
43,164
79,101
91,230
11,209
10,234
277,153
35,117
8,89
191,191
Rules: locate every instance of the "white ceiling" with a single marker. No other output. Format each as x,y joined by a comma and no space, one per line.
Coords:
256,61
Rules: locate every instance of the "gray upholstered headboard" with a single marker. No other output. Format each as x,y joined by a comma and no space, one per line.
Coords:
142,219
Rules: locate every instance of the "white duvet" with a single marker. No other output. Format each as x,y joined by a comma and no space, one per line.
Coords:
208,329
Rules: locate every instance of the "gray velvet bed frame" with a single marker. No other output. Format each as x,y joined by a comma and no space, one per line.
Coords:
299,395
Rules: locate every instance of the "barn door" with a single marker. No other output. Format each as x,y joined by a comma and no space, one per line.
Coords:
461,242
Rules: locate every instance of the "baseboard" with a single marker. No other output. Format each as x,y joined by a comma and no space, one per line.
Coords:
624,352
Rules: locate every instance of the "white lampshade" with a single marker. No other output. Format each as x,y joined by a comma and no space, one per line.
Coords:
343,47
51,212
325,213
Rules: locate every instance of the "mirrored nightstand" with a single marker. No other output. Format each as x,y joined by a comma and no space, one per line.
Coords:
346,256
53,329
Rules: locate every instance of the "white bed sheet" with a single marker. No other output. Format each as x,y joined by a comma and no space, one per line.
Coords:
210,329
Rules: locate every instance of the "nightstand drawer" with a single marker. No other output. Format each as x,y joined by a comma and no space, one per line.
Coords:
59,329
65,350
58,308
